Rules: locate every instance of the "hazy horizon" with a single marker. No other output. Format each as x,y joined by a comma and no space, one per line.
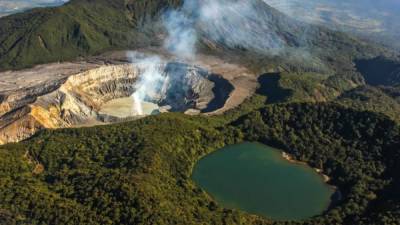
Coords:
8,7
373,19
369,18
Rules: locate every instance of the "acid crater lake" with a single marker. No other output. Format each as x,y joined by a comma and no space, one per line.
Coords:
257,179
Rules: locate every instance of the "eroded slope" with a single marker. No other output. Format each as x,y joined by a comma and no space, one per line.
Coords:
73,94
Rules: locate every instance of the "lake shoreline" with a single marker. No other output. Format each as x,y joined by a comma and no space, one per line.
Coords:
291,159
336,195
247,162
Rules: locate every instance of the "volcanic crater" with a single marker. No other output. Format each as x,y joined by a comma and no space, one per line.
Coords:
99,92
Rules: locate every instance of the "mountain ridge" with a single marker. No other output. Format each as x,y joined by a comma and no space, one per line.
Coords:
78,28
90,27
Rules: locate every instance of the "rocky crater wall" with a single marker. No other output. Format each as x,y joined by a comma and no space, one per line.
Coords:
76,100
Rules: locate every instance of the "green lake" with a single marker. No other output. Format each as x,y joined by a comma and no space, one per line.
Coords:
257,179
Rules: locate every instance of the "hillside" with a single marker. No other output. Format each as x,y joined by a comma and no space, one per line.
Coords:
139,172
380,71
79,28
291,60
329,100
375,99
82,28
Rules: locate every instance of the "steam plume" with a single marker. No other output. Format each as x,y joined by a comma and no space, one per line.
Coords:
182,36
150,81
235,24
232,23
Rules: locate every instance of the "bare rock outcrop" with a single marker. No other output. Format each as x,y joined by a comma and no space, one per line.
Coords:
62,102
76,99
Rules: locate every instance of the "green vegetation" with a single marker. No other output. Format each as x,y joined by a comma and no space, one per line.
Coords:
83,28
384,100
380,71
358,150
257,179
139,172
134,173
348,90
79,28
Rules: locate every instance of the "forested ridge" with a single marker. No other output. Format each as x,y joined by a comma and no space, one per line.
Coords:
139,172
82,28
79,28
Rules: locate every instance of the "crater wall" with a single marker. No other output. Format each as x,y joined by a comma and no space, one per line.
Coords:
76,100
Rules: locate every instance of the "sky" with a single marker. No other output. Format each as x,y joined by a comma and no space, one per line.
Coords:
13,6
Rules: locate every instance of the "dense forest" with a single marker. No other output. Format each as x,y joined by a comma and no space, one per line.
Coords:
139,172
359,150
79,28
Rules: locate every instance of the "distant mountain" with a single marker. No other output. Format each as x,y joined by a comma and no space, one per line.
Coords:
375,20
8,7
87,27
328,99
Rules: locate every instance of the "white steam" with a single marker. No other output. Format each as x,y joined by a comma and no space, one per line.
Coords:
151,79
137,104
235,24
238,24
182,36
246,24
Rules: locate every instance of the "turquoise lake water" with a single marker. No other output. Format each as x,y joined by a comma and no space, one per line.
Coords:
256,178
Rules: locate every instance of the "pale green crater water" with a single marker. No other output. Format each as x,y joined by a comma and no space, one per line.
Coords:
124,107
256,178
